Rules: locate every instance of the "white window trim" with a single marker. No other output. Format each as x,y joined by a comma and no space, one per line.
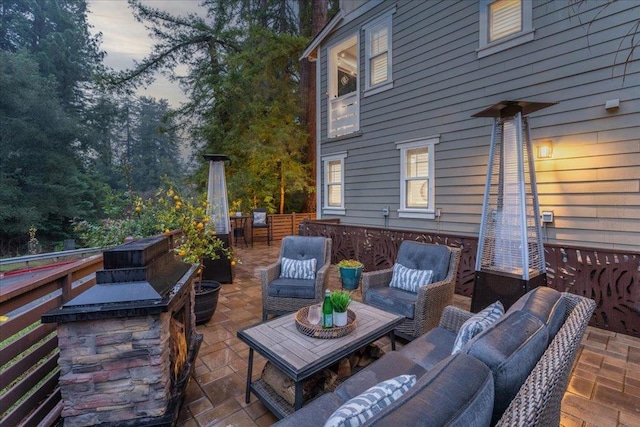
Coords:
326,209
369,89
430,212
527,34
332,88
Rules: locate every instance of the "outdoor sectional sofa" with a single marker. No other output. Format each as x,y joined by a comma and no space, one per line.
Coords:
513,373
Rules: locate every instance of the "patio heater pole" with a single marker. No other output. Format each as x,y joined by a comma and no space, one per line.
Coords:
218,210
510,259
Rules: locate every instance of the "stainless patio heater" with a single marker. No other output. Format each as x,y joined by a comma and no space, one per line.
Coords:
219,269
510,259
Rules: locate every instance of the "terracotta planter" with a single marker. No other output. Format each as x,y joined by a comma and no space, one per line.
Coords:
206,301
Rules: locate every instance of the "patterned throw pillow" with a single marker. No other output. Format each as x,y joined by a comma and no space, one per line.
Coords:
476,324
409,279
298,269
358,410
260,218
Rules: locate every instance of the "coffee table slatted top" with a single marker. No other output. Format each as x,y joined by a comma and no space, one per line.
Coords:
299,355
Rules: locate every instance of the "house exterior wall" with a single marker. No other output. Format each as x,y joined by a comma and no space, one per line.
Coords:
592,183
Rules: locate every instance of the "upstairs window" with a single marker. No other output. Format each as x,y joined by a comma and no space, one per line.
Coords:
378,53
504,24
344,109
417,184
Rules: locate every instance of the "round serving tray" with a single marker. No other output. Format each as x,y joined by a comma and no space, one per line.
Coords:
316,331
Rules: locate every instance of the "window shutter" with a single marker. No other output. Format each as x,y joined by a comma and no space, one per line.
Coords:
505,17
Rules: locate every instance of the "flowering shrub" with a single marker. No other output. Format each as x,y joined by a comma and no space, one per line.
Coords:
165,212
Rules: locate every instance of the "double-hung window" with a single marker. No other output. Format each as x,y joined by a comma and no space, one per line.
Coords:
334,183
378,54
344,109
417,184
504,24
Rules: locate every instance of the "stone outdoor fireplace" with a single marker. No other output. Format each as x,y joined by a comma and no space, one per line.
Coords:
128,344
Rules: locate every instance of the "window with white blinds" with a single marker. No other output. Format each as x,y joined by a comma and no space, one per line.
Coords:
504,24
378,52
417,185
505,18
334,183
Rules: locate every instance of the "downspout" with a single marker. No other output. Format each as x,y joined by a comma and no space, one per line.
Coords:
319,166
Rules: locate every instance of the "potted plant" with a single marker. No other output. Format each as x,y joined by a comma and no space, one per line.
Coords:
197,242
340,301
350,272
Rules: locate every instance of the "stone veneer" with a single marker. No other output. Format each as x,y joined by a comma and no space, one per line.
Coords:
113,370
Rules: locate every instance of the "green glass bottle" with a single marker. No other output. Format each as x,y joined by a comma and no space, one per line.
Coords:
327,311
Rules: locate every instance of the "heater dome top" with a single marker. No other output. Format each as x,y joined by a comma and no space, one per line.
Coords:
526,107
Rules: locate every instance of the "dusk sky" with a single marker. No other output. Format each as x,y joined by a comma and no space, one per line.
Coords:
125,40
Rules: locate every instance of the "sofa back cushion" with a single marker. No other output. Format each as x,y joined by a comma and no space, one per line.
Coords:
302,248
546,304
425,256
510,348
458,391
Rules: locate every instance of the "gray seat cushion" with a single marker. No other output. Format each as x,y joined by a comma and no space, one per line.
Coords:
510,348
315,413
546,304
292,288
456,392
390,366
393,300
429,349
425,256
303,248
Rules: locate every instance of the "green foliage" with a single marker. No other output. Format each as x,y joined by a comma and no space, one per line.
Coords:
340,300
43,179
256,120
133,217
350,263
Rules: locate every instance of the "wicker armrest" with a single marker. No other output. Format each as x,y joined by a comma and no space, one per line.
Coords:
453,317
268,274
376,279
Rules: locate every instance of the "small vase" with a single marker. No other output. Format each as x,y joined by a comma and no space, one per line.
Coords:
339,319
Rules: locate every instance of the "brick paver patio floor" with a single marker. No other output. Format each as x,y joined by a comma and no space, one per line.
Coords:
604,389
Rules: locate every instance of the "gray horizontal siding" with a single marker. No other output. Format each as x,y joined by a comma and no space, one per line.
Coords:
593,181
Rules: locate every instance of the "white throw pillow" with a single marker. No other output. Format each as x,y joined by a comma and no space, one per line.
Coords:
476,324
260,218
356,411
298,269
409,279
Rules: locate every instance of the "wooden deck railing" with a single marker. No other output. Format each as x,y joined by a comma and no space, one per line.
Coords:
610,277
29,392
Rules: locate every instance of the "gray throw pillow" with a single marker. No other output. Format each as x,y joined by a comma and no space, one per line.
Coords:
409,279
476,324
356,411
298,269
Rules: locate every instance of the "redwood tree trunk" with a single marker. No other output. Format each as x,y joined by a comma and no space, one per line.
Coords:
308,83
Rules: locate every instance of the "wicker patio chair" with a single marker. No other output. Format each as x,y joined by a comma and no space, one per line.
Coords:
424,308
539,399
285,295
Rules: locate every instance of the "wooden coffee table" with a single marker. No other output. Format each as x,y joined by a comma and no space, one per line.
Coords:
299,356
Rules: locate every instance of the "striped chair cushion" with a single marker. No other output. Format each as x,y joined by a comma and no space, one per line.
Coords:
476,324
409,279
358,410
298,269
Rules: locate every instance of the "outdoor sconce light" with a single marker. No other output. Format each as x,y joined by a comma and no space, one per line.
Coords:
545,149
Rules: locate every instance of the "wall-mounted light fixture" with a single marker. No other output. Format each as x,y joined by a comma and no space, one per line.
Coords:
545,149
